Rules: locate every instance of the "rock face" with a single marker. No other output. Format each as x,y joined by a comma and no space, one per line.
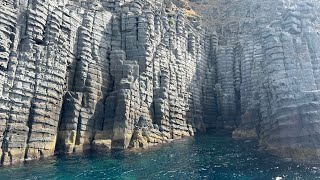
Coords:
268,71
98,75
81,75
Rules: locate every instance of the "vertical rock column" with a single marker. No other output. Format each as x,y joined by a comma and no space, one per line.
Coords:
226,92
199,82
190,77
294,132
145,46
70,111
83,109
181,124
49,88
130,99
161,106
25,83
95,69
210,108
251,56
246,76
161,76
174,108
126,73
277,87
8,62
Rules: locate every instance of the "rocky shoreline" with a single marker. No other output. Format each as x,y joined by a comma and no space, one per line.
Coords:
80,75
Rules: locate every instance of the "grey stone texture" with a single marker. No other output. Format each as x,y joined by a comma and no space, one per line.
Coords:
268,72
81,75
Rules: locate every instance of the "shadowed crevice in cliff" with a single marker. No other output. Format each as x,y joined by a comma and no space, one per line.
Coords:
29,124
69,115
84,111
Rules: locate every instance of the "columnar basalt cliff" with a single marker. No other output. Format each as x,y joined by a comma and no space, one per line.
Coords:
96,75
99,75
268,69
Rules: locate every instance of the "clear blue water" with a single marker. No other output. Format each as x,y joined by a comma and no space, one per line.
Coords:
207,156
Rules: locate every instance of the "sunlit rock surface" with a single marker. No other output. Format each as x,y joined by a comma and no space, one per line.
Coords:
98,75
80,75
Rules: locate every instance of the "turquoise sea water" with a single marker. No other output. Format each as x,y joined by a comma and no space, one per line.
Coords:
206,156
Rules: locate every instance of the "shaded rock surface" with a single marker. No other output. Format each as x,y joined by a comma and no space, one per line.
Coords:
268,71
81,75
